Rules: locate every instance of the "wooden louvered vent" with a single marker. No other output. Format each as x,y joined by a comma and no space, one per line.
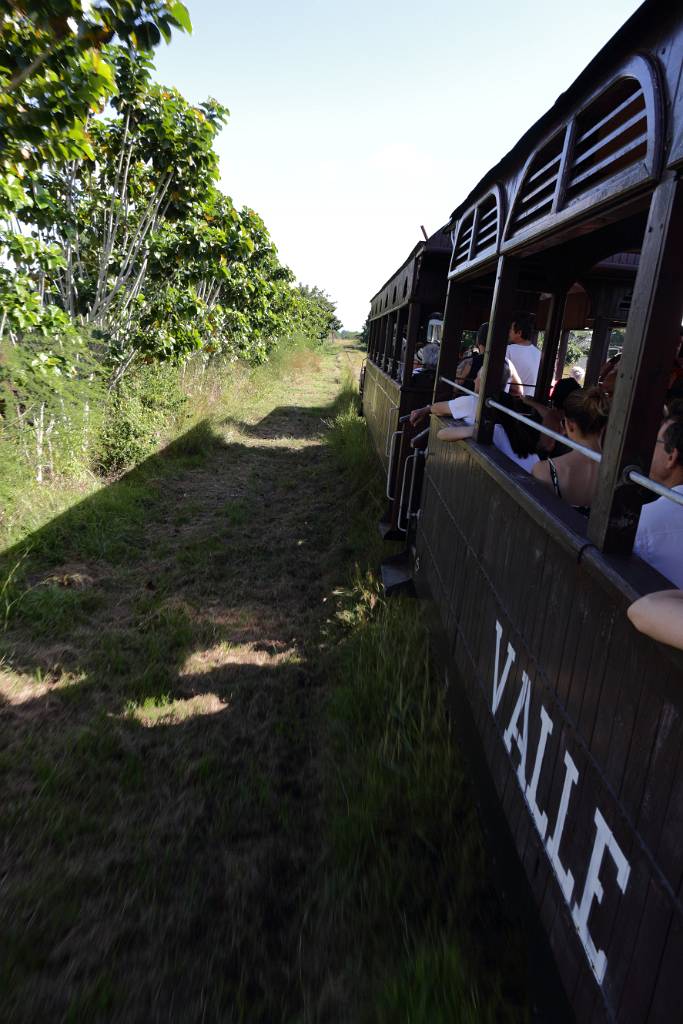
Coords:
535,198
487,225
611,135
461,253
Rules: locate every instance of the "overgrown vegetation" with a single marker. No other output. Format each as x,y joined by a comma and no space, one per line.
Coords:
119,255
230,788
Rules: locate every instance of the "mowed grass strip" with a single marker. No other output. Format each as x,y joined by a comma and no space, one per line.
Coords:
159,719
231,792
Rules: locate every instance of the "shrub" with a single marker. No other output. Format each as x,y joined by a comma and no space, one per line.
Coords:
148,406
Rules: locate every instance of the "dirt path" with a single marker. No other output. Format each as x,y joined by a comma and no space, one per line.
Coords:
159,713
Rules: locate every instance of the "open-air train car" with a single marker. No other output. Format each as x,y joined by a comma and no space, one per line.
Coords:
405,314
575,719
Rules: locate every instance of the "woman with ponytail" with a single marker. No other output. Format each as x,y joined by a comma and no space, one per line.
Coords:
574,477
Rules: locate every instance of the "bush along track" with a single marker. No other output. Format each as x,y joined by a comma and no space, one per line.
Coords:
230,790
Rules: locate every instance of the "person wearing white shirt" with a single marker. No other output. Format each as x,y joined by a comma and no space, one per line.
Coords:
523,354
464,410
659,538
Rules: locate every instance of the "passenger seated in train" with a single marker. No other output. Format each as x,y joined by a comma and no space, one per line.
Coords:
552,415
574,477
522,352
425,374
514,439
467,371
659,538
607,376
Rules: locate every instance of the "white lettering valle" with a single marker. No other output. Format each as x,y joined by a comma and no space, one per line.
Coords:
516,734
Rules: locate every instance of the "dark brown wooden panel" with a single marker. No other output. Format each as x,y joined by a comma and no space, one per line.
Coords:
587,672
666,1004
654,927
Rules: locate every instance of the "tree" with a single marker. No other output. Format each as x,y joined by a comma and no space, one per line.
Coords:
101,217
55,71
317,312
55,74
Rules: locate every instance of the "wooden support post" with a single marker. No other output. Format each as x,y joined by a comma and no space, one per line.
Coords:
396,351
372,338
393,341
602,330
411,336
551,341
502,314
561,354
457,299
653,337
381,360
388,361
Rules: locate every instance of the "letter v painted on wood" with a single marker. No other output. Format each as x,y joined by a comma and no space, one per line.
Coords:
500,681
513,733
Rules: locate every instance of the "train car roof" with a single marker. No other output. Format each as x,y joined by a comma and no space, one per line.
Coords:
622,43
440,241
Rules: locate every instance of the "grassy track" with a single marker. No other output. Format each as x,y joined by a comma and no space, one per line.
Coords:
197,785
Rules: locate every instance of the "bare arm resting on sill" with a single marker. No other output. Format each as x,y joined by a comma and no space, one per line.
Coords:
438,408
660,616
456,433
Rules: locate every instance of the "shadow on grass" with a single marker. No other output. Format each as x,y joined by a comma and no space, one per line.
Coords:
286,421
159,683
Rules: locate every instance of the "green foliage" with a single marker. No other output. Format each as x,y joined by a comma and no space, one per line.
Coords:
54,71
146,408
317,313
577,347
436,986
117,250
50,400
134,240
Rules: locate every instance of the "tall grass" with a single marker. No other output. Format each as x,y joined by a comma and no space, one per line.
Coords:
154,406
177,411
408,887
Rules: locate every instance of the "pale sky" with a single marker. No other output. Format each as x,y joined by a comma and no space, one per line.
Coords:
353,124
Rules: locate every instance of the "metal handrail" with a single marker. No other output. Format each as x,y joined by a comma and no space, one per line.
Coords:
469,391
635,476
396,433
423,453
411,458
562,438
458,387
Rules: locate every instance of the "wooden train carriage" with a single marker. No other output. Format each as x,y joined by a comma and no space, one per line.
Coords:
400,317
578,718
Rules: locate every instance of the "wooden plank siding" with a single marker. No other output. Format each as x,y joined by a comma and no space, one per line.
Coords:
488,563
580,745
381,401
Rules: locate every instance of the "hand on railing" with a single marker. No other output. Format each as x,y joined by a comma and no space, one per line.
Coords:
417,415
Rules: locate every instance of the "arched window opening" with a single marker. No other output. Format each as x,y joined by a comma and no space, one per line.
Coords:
610,135
537,192
487,225
461,253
